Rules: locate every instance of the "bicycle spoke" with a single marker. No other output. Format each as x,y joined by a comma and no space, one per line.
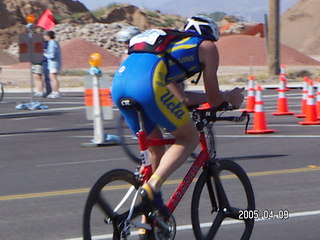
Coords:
234,212
216,225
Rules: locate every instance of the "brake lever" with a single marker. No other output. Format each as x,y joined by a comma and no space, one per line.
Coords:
242,117
246,115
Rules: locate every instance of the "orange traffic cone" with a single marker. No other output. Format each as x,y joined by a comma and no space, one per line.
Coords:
259,120
311,114
282,99
283,75
250,96
318,99
304,98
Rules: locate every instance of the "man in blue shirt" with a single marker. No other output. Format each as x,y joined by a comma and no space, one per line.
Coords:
53,55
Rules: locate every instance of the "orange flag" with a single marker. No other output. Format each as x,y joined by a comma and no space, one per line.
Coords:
46,21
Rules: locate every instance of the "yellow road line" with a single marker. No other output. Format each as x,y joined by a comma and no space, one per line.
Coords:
44,194
309,168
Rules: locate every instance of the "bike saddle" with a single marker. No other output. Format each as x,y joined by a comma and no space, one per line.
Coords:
129,103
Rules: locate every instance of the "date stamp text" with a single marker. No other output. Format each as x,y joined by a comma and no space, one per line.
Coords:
265,214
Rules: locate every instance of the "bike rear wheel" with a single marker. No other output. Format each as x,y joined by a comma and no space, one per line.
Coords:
108,204
220,195
128,140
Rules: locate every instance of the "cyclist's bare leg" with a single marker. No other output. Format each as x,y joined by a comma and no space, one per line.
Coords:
156,152
187,138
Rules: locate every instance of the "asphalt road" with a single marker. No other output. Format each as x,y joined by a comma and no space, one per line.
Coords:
45,172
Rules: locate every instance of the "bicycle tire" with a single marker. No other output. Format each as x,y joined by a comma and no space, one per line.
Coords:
1,92
201,203
128,140
102,214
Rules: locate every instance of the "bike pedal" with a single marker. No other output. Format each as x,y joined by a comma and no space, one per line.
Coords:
142,225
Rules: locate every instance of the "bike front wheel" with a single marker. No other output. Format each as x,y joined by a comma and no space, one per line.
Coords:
107,207
222,194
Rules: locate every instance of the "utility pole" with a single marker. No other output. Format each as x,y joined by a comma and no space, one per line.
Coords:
274,37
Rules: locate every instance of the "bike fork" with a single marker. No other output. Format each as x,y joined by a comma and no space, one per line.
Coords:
221,195
212,195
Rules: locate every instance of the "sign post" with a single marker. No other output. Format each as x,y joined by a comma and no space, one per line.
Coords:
31,50
98,104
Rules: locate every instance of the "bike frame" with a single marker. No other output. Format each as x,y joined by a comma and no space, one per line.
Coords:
203,156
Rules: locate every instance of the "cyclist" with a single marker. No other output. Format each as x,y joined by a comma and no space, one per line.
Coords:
154,81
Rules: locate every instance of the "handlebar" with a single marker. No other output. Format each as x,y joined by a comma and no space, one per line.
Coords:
203,116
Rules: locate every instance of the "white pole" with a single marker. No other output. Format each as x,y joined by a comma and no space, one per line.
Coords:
97,112
30,35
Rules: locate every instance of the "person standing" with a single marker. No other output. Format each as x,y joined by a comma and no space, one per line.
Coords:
53,55
46,72
39,70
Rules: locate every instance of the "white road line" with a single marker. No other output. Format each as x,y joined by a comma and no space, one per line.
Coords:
275,106
13,135
269,99
84,136
267,136
270,125
61,103
81,162
44,129
41,111
205,225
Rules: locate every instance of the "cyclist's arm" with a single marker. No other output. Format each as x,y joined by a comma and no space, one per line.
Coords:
188,98
209,57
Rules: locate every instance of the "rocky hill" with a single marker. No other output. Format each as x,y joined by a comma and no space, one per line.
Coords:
14,12
101,26
75,21
13,15
300,27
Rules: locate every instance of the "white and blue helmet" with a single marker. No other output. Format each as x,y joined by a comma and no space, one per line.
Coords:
127,33
203,26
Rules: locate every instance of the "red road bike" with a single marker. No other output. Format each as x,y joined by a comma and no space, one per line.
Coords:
221,195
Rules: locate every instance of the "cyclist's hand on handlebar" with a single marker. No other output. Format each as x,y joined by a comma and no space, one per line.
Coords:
235,97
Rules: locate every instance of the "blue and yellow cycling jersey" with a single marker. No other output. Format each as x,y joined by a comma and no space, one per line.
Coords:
186,52
144,77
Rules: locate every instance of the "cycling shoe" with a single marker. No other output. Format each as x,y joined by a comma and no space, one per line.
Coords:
154,200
